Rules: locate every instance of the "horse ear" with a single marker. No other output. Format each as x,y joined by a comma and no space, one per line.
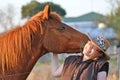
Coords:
46,11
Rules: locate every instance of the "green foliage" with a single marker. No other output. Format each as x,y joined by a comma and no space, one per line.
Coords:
30,9
34,7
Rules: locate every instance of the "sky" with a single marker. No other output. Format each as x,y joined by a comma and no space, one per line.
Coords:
73,8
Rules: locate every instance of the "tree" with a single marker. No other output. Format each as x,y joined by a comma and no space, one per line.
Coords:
7,17
33,7
114,16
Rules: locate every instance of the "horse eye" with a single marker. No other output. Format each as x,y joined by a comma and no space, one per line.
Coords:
61,28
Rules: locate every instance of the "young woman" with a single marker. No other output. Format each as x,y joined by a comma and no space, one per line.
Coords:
92,65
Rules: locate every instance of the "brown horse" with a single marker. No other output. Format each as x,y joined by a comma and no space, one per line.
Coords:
20,48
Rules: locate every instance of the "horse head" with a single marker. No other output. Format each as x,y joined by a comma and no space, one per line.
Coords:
59,37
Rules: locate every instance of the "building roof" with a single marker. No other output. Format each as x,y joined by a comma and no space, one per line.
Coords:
85,24
95,31
92,16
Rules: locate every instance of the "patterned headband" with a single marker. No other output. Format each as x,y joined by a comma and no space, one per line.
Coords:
101,43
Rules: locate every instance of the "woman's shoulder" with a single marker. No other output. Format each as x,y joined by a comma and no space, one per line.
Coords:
101,63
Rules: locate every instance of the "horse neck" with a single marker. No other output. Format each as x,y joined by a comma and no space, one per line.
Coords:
36,35
28,50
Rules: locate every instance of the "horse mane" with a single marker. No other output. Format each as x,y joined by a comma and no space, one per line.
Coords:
17,43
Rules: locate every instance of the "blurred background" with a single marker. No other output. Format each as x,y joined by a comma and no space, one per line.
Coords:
87,16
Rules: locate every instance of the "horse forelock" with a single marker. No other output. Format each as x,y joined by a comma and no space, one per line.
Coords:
54,15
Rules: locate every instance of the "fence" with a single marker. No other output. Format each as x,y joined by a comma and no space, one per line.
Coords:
118,63
113,63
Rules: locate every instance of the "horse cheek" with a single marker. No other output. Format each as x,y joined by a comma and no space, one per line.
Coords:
50,43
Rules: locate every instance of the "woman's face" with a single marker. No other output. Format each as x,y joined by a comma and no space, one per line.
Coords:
90,50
